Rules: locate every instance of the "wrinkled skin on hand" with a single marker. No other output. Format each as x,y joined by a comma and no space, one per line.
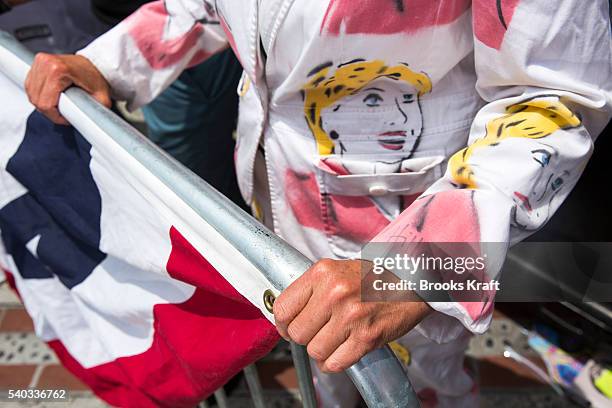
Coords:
50,75
323,311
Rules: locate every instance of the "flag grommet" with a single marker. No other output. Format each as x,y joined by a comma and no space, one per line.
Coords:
269,298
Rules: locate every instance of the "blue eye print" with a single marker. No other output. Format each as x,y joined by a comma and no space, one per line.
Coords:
541,156
556,183
372,100
408,98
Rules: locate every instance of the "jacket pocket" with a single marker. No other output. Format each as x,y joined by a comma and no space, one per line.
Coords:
389,176
361,194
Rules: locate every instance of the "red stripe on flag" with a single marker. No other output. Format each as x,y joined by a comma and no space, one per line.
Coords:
10,279
197,345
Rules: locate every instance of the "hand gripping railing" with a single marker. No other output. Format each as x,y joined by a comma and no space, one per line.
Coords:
379,377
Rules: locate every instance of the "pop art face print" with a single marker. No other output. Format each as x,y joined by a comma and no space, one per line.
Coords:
552,178
365,100
365,118
535,118
365,107
364,115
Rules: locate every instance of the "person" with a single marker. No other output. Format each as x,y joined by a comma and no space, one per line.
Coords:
470,111
193,120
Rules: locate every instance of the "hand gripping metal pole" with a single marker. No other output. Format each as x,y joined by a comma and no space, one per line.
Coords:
379,376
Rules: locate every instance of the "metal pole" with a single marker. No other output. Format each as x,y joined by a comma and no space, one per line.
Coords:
378,379
304,374
252,379
221,398
379,376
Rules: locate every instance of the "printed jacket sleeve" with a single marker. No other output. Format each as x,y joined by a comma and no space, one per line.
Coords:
545,70
142,55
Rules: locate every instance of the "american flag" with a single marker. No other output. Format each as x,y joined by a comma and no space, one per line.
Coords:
139,297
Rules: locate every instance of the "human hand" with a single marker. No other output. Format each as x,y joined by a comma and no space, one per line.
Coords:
51,74
323,310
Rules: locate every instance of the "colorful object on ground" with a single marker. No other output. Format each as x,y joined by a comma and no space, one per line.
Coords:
603,382
595,383
138,296
562,367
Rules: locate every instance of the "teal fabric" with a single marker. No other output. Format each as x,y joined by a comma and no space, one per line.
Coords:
194,118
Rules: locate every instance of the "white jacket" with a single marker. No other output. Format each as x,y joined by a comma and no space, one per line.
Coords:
434,120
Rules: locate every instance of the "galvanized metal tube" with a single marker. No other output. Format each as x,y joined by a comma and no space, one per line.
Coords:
221,398
379,376
252,379
382,382
301,361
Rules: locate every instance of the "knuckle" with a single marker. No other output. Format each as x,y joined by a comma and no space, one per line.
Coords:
369,337
354,313
321,267
280,312
315,351
41,58
297,334
55,66
44,108
333,365
325,263
339,291
366,340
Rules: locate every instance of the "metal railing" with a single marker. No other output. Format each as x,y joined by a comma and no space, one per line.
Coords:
379,376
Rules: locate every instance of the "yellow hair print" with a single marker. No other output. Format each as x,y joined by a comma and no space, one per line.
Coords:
533,118
244,85
401,352
323,91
